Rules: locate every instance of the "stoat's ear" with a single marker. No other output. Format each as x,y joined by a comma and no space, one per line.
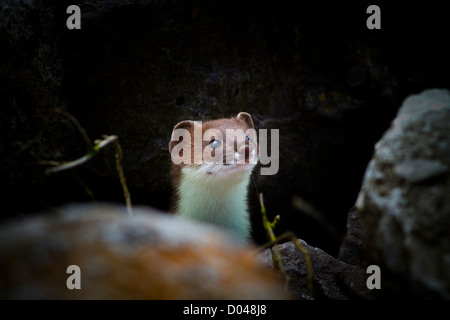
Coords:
247,118
175,138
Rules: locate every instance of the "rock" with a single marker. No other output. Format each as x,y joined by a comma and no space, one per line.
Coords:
419,170
351,249
333,279
404,202
147,256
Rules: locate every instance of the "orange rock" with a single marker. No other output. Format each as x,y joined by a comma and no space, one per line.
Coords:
147,256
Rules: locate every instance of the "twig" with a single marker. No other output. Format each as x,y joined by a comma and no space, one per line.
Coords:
123,181
277,257
60,166
310,275
77,124
93,150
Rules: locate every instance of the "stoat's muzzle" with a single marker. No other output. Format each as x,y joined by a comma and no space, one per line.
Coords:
232,158
246,153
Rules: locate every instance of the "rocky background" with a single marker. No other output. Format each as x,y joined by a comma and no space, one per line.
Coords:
136,68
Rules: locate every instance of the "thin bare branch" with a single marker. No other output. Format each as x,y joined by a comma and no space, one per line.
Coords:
123,181
77,124
93,150
71,164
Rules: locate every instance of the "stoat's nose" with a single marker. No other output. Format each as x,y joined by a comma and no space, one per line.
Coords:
247,153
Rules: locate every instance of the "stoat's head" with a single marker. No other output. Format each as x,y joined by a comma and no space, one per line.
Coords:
221,150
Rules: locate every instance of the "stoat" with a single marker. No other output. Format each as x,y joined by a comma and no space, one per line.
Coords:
211,184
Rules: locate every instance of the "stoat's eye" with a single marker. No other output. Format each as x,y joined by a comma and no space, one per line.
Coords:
214,144
248,138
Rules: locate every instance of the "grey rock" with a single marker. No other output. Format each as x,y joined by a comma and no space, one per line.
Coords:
404,202
350,250
333,279
417,170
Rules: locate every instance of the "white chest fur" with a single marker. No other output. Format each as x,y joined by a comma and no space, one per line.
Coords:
216,200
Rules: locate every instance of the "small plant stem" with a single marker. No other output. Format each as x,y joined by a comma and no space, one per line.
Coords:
276,256
93,150
123,181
